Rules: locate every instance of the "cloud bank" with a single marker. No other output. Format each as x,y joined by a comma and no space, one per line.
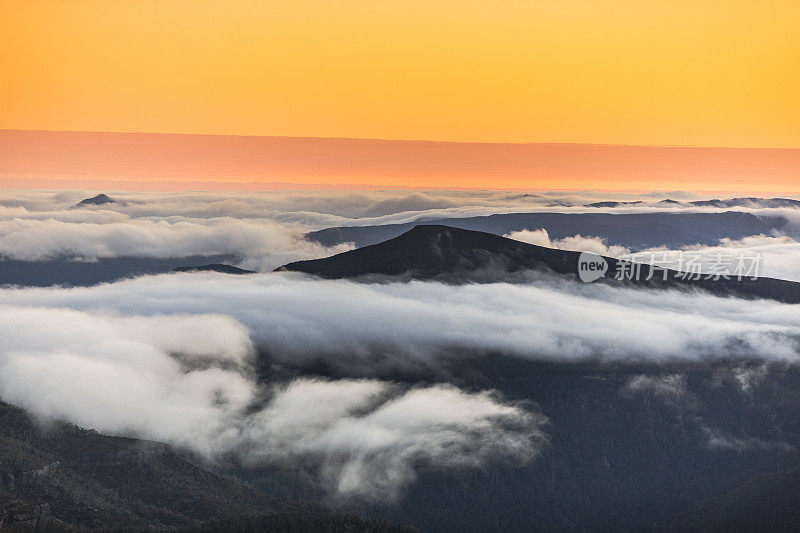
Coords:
596,245
300,319
169,358
185,380
775,256
262,244
265,230
372,437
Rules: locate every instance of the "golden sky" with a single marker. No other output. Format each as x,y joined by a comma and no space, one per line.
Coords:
696,73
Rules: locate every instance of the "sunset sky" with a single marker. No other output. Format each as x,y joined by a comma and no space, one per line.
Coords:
686,73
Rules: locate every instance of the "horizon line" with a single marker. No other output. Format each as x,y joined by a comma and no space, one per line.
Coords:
386,140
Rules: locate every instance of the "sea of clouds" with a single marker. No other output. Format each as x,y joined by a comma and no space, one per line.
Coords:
187,380
171,357
266,230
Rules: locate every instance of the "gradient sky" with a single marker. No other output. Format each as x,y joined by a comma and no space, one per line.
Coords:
161,161
696,73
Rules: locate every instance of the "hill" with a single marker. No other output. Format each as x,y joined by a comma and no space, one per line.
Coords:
635,231
458,255
633,446
66,477
100,199
67,272
215,267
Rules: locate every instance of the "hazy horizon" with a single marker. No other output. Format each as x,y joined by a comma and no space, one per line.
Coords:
166,161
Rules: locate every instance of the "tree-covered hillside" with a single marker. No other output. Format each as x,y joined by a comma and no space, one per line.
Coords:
64,477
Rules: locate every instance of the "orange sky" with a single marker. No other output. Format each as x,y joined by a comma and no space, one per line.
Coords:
150,161
672,72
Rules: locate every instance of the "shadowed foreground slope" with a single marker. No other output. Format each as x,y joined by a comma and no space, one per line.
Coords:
64,477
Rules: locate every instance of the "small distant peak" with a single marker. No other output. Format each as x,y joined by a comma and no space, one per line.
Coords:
613,203
100,199
216,267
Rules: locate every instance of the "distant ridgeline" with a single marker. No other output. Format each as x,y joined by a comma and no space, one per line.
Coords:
635,231
66,272
215,267
458,255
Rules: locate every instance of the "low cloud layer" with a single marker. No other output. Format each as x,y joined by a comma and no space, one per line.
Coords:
596,245
768,256
169,358
265,230
262,244
185,380
372,437
297,318
774,256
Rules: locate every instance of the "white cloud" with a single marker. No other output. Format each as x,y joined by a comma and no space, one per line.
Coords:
364,438
299,318
372,443
577,243
772,256
115,374
265,229
263,244
105,357
671,388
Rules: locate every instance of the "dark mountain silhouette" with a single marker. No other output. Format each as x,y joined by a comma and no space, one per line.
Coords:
100,199
635,231
613,204
67,272
753,202
458,255
748,202
216,267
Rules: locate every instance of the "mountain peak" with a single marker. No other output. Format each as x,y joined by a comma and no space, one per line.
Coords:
100,199
437,251
444,253
215,267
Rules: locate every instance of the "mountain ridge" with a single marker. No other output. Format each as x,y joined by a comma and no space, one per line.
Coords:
221,268
635,231
452,254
